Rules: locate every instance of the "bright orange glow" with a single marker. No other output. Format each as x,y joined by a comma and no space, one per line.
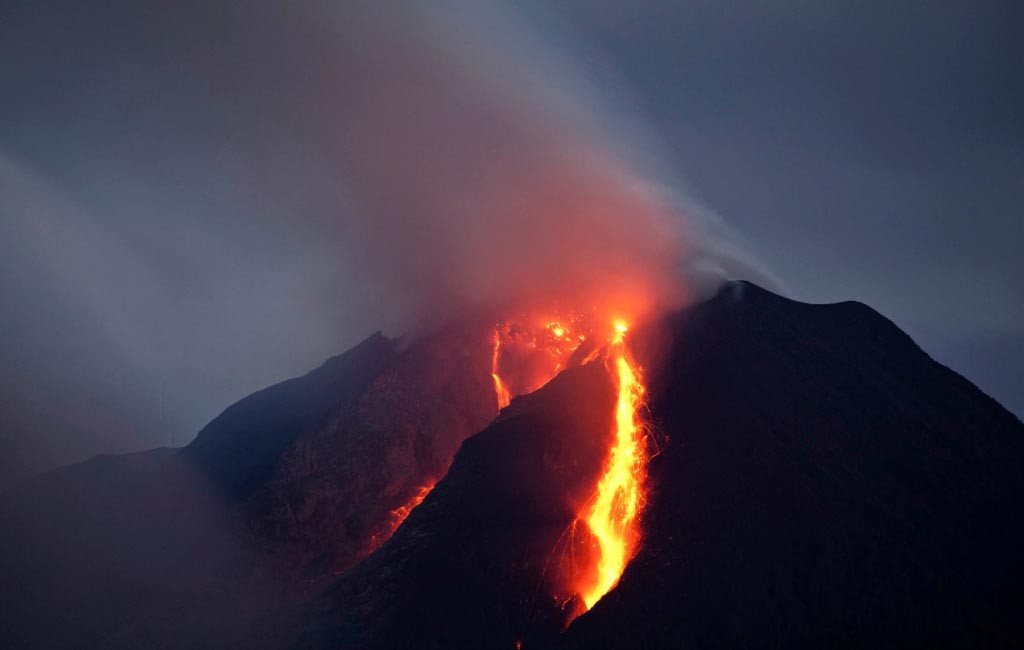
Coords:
504,397
527,353
529,350
399,514
613,516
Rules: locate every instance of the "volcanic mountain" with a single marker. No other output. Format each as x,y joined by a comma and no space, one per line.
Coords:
814,479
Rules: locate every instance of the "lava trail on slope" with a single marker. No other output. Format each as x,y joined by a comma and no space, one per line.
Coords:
823,481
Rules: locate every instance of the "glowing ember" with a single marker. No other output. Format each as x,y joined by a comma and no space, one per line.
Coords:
618,500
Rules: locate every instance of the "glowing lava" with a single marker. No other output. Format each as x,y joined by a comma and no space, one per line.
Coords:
397,516
614,511
504,397
528,353
529,350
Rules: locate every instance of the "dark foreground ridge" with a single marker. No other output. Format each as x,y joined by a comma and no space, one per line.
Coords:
822,482
826,483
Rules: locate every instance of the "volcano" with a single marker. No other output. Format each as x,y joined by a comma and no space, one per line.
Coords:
810,477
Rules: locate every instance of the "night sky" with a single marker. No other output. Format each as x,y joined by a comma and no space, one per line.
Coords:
180,222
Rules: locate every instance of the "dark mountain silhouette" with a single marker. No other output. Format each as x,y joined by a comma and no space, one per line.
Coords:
825,483
240,448
820,481
278,495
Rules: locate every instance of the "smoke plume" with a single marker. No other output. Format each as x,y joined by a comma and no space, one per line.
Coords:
483,171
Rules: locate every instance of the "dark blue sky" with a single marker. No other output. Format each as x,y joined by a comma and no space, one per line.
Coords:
169,182
872,151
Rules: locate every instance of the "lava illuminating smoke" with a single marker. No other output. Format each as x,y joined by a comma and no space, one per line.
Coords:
398,515
528,351
613,514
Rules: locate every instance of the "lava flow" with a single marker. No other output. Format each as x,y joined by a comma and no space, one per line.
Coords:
613,516
528,355
529,351
504,397
397,516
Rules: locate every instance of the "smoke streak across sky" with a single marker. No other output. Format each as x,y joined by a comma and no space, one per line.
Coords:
198,202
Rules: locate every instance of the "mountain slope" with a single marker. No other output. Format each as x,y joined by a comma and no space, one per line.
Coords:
823,482
473,566
276,496
820,481
239,449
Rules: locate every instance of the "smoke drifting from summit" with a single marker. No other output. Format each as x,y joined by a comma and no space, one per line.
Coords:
483,172
206,199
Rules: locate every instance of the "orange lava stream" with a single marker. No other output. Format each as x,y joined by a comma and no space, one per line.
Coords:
613,517
612,513
529,351
504,397
399,514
